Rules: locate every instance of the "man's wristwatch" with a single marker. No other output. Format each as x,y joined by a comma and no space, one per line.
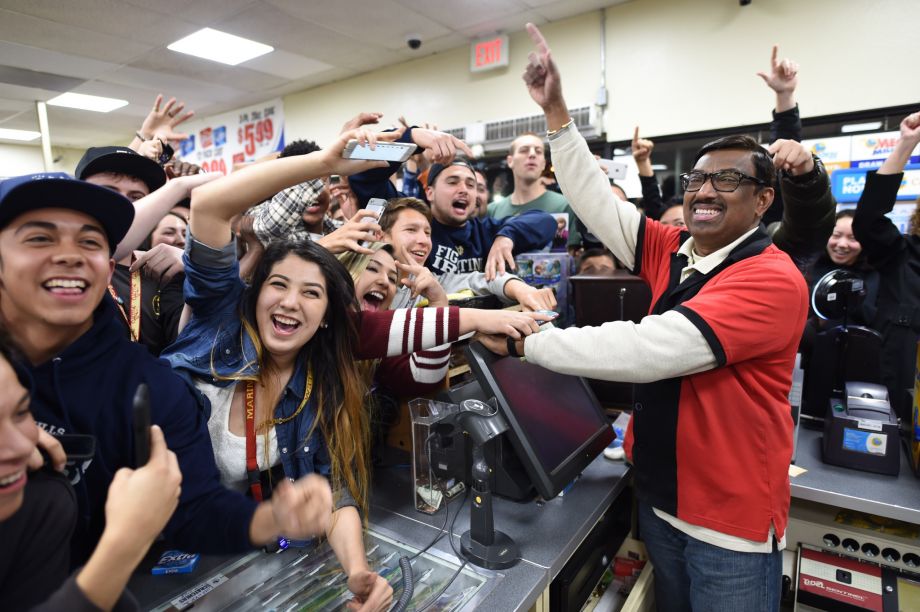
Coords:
512,348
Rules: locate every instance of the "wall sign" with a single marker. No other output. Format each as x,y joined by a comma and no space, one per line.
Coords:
242,135
489,53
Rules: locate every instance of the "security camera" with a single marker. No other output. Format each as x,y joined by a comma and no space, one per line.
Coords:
744,2
414,41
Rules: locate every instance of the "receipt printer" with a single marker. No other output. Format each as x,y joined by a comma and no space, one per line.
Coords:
861,431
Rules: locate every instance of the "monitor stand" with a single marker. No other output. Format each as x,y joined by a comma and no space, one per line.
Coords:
482,545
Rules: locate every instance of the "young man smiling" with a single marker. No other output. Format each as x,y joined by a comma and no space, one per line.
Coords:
57,238
406,224
711,435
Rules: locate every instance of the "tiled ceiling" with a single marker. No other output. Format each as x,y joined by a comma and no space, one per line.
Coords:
117,48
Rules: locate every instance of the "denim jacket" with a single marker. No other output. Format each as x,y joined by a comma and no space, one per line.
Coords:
214,347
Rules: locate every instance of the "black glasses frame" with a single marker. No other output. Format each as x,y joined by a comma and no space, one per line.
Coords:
714,178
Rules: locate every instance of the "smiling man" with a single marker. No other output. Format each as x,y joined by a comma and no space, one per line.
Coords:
711,434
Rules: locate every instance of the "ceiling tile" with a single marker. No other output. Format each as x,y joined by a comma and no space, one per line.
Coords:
391,22
459,14
191,67
27,30
43,60
200,12
562,9
171,85
111,17
510,23
286,65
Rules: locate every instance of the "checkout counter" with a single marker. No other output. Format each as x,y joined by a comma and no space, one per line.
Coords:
557,539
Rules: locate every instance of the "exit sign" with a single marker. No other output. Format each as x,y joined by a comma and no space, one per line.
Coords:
489,53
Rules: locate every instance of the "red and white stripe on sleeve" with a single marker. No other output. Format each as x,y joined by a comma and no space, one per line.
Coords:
407,330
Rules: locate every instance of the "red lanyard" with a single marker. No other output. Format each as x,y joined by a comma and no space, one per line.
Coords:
252,464
133,316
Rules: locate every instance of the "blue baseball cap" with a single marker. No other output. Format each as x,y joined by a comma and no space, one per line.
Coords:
21,194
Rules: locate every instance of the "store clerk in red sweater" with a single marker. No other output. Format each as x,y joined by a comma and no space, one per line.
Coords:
711,434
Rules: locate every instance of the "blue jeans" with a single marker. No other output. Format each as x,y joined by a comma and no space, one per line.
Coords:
694,575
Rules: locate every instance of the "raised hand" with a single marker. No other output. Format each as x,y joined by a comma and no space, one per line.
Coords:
361,227
441,146
783,75
910,128
542,75
360,120
501,253
783,79
161,122
421,281
792,157
141,501
334,163
642,153
162,262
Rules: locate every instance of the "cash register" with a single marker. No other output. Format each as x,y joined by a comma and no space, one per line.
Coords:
861,431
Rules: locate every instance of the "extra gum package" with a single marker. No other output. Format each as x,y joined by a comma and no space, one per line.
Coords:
175,562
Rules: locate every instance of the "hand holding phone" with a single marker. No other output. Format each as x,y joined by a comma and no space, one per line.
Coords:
141,413
382,151
377,205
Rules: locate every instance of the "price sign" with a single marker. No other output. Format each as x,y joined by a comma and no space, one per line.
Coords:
243,135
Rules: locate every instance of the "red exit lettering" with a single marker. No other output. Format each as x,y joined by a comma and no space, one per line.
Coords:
488,52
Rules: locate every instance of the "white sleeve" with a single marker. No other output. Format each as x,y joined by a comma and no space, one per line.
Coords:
624,351
613,221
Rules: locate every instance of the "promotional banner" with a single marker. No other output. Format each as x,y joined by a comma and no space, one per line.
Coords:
834,152
847,185
242,135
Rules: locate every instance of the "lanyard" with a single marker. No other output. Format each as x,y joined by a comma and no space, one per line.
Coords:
252,464
133,316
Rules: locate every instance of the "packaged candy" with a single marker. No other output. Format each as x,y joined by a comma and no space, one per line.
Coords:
175,562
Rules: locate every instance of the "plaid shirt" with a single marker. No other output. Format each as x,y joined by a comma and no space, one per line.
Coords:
281,218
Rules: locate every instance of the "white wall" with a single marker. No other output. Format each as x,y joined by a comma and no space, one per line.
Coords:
688,66
27,159
440,89
672,67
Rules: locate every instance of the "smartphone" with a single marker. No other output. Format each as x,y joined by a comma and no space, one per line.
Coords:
383,151
78,447
378,205
141,413
166,154
615,170
334,179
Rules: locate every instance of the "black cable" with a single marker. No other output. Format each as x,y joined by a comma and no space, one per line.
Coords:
408,584
450,537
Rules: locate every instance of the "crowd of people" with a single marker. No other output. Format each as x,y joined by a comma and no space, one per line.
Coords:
266,309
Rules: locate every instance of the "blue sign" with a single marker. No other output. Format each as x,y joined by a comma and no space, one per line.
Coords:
220,136
847,184
187,146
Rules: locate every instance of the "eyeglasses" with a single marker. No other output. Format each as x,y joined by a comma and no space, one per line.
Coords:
722,180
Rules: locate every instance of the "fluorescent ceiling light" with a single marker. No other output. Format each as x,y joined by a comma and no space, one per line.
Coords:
860,127
659,167
220,47
619,151
97,104
18,134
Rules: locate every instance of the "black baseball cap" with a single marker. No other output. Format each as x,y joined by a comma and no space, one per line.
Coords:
436,169
123,161
21,194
